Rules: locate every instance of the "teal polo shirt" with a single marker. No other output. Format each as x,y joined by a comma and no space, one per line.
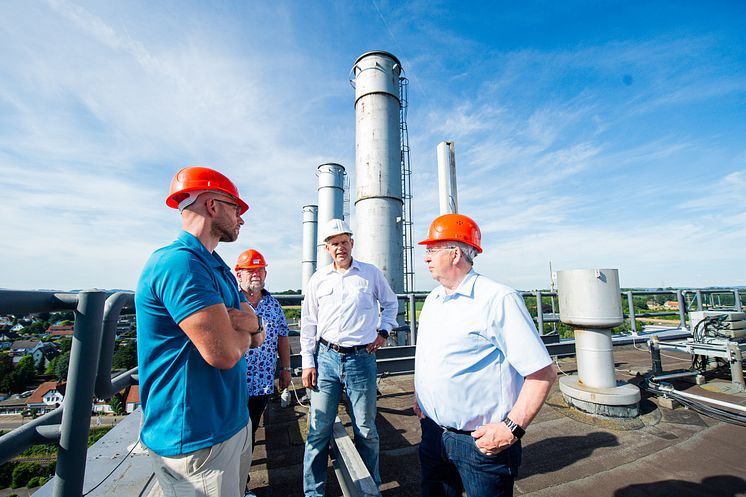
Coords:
187,404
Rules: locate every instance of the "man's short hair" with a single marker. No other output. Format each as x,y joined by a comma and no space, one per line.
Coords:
467,250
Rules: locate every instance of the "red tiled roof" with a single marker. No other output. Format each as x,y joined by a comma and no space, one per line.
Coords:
61,330
38,396
133,395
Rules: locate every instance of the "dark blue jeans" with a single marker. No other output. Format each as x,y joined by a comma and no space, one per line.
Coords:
451,463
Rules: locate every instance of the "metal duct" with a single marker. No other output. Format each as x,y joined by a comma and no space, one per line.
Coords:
331,203
310,229
378,205
447,193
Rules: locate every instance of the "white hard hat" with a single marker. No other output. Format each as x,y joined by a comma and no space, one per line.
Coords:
336,227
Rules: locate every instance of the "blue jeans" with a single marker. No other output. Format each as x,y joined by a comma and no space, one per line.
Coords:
451,463
356,373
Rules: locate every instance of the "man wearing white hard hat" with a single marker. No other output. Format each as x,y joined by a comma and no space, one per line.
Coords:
341,329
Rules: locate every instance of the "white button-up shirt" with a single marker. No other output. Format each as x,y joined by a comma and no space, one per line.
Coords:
343,308
474,347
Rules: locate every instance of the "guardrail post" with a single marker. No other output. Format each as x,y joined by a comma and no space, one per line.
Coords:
631,313
700,307
737,300
76,415
539,313
682,309
412,319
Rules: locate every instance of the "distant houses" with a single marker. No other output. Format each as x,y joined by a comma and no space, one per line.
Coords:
50,394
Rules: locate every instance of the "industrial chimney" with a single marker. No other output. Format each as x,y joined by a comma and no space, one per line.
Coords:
378,158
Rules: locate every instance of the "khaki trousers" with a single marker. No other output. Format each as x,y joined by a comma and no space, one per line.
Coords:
217,471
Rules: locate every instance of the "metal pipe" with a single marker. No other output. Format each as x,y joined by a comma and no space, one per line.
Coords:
310,237
655,354
700,398
22,301
737,300
736,365
23,437
698,293
114,304
595,357
330,204
413,319
76,417
378,169
671,376
631,313
539,313
448,195
682,309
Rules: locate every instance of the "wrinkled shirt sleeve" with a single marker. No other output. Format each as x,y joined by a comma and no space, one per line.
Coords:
388,301
308,325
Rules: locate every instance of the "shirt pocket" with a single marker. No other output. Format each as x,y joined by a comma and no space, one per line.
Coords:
324,293
361,294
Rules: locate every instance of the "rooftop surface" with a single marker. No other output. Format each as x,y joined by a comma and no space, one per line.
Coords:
664,452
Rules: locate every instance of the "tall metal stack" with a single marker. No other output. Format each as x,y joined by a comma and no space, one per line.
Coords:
310,235
331,204
378,204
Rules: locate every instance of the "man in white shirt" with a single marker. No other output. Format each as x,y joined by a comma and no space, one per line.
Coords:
481,370
340,332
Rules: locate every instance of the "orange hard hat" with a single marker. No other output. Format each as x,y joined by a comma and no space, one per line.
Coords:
250,259
454,228
192,179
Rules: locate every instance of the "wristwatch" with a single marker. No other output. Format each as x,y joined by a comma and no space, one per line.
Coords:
384,334
515,429
260,321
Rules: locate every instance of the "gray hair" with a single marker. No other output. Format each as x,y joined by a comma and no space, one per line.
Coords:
467,251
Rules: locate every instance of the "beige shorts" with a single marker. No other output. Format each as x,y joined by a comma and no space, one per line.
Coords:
217,471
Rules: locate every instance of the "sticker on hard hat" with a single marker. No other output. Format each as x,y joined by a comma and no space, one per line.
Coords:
255,261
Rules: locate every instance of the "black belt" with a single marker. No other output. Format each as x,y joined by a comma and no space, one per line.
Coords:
448,428
454,430
342,350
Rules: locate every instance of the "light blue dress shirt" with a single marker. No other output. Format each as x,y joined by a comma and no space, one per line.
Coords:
474,347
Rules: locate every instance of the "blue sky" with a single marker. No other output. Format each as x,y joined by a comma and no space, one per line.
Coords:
598,134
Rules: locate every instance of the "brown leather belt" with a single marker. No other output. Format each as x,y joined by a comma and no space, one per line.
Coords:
340,349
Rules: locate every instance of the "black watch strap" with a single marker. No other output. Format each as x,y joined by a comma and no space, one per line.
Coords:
383,333
515,428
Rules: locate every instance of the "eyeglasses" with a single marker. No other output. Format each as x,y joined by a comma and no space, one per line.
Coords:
429,251
236,206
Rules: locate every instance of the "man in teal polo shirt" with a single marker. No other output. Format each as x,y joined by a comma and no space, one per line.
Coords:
193,328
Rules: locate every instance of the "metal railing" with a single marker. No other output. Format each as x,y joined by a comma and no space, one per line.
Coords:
89,373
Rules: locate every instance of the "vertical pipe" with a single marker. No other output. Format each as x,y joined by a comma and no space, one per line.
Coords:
655,354
737,300
310,236
448,195
331,204
631,306
682,309
413,319
539,313
76,416
699,300
736,365
378,168
593,351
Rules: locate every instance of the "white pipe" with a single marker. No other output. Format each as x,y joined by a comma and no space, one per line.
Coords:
728,405
310,229
593,350
448,195
331,204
